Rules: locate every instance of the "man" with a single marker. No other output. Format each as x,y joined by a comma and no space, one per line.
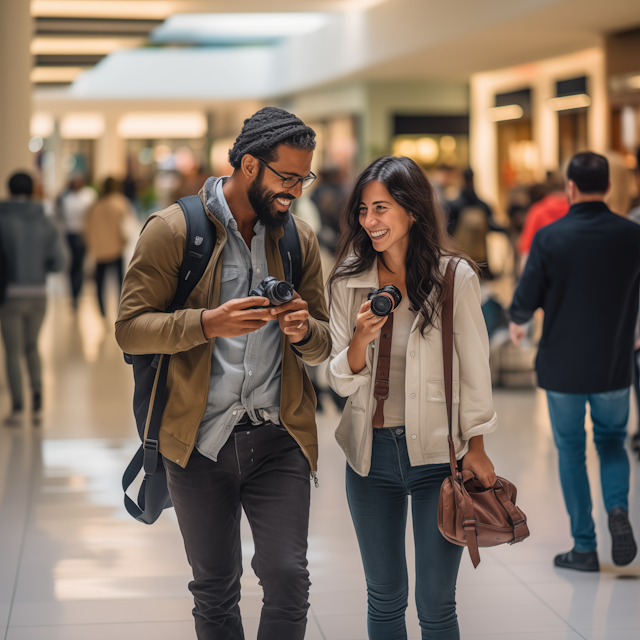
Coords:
584,272
238,428
551,208
32,248
73,206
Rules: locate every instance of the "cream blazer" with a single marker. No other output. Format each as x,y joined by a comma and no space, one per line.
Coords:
425,409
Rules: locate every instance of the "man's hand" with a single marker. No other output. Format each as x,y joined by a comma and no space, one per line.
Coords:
235,318
517,332
293,318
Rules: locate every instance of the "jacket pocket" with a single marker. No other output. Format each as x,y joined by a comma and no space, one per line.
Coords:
436,391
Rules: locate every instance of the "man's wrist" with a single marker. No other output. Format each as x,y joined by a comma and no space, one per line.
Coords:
305,339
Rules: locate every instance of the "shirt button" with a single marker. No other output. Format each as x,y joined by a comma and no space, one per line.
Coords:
196,342
257,270
413,353
178,460
250,373
235,412
414,436
413,395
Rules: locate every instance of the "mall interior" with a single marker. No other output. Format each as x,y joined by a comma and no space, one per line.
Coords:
153,93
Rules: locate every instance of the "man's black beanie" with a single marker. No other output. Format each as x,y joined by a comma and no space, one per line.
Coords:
265,130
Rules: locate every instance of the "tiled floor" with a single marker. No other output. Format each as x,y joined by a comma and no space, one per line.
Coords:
73,565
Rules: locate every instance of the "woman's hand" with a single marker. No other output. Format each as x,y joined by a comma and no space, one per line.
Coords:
368,326
478,461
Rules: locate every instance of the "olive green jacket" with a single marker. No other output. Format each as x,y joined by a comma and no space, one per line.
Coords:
143,328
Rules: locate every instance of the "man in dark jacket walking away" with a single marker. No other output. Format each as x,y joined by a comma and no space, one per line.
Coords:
584,272
32,248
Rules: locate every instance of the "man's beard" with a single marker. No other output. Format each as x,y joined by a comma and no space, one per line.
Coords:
263,203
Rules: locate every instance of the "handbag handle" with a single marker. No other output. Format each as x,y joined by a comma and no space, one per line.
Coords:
447,352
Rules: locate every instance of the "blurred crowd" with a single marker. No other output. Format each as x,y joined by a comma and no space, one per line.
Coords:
87,229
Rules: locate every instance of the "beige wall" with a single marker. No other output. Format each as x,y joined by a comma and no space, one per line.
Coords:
541,77
386,99
15,89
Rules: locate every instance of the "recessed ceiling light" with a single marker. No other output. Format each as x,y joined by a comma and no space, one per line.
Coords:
82,46
507,112
564,103
132,9
55,74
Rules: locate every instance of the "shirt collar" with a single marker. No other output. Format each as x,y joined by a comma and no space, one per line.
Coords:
365,280
225,215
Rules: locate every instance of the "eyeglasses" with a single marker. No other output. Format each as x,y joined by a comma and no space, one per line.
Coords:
289,183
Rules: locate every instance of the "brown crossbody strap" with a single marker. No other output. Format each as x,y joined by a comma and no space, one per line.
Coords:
381,388
447,352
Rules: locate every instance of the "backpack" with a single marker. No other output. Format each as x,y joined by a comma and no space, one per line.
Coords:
150,371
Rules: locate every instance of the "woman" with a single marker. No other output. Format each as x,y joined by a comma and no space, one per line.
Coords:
393,234
104,232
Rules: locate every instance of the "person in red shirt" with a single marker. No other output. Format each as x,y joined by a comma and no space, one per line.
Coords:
551,208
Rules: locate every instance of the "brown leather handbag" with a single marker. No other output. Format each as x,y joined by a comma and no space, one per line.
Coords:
468,514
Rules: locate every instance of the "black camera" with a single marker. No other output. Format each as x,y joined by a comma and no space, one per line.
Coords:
384,300
276,291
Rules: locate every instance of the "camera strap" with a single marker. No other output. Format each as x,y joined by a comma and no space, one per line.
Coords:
381,388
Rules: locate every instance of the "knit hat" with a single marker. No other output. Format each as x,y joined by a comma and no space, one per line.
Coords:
268,128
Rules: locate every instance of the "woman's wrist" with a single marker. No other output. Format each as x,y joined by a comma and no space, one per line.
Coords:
356,355
476,443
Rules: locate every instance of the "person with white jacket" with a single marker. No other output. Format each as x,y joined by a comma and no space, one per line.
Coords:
395,435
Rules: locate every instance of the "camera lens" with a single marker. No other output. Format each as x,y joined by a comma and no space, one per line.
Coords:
280,293
381,304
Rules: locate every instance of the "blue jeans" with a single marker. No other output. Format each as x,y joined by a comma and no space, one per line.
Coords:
378,505
609,413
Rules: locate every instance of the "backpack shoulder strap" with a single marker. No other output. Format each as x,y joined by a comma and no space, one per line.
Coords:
201,239
291,253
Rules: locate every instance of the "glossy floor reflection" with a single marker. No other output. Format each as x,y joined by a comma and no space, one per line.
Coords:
74,565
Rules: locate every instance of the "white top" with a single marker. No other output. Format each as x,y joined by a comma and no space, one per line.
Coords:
74,206
403,319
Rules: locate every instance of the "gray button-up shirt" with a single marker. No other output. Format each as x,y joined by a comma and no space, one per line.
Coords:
245,370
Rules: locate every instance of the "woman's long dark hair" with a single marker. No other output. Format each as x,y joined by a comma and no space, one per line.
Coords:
428,237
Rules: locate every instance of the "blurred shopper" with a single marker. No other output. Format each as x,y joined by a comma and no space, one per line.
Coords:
73,206
328,197
253,444
623,186
32,248
470,220
551,208
105,235
394,235
634,215
584,271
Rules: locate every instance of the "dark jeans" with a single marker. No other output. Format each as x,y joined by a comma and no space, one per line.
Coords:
378,505
263,471
101,270
609,413
76,271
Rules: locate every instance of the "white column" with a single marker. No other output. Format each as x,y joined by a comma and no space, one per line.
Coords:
110,156
483,145
15,89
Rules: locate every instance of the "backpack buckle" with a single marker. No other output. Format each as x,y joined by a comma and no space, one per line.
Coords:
150,456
